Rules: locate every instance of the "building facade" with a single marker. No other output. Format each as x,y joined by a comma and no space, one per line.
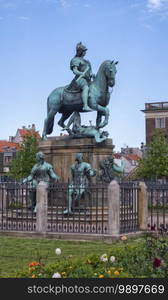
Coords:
9,148
7,153
156,117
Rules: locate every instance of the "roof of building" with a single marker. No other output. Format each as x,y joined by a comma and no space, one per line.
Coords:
117,155
25,132
5,145
132,157
126,156
156,106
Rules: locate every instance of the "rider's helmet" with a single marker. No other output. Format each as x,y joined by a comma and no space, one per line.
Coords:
80,48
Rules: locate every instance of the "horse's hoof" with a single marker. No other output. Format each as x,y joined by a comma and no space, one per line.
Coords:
100,125
44,138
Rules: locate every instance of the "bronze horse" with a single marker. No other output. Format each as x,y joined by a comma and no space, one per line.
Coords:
66,102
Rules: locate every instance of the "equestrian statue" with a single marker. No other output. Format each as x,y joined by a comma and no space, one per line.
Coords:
85,93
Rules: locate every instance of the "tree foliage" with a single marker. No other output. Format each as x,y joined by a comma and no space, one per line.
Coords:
24,160
154,164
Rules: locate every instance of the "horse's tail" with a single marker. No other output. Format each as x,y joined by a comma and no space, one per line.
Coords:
48,107
50,124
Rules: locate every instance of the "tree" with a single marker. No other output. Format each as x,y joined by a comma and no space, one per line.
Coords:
24,160
154,164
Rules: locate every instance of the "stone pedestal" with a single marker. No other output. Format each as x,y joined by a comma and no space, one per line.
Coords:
60,152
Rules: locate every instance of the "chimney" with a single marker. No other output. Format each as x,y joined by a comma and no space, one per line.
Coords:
11,138
33,127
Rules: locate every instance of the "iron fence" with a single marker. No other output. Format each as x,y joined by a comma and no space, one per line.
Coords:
157,205
89,212
15,207
129,198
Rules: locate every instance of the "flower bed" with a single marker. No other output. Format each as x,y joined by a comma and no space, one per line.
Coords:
149,258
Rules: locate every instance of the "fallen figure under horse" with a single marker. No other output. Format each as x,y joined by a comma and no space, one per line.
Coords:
82,131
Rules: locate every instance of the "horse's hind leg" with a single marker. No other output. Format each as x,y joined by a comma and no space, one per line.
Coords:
44,134
48,124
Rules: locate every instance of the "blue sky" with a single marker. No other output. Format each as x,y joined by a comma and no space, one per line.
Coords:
38,40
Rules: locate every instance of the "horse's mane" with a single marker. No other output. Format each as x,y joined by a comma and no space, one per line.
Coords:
104,63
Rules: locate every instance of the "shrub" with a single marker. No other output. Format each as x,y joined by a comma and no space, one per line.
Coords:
146,258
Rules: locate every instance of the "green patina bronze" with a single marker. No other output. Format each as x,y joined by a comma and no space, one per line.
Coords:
81,174
41,171
82,131
109,170
86,92
83,74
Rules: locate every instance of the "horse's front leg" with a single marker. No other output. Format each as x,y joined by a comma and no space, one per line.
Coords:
98,119
102,111
105,122
64,117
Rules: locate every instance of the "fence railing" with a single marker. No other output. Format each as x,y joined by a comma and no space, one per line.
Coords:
15,207
89,212
157,205
103,209
129,206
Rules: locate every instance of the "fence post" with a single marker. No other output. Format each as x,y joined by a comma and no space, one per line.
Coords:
2,197
41,207
114,208
143,206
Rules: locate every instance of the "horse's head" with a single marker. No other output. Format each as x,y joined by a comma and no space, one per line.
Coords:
110,72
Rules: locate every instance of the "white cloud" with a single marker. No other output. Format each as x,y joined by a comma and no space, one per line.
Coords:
155,5
64,3
73,3
23,18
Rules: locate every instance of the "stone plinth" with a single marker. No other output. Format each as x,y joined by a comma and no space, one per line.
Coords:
60,152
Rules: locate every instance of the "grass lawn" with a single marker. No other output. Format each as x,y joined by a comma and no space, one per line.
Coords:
16,253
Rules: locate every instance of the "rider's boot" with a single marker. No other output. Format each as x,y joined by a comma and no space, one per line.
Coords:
85,100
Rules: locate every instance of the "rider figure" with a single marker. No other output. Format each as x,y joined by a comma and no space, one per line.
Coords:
83,73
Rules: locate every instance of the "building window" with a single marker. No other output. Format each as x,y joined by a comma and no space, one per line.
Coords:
7,160
160,123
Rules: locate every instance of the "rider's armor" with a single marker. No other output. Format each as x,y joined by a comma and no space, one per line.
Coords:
81,65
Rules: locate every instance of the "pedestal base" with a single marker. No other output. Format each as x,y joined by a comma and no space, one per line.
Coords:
60,152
